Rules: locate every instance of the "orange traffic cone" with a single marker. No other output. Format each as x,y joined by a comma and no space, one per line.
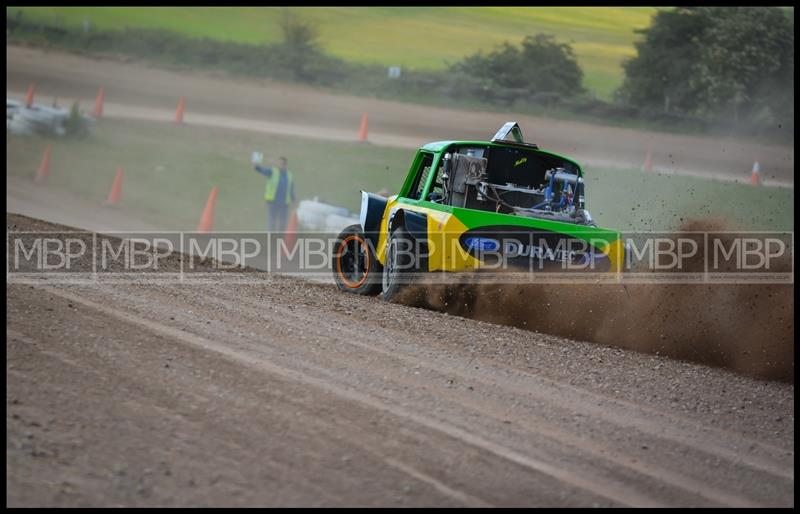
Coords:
755,175
207,219
29,95
116,189
291,232
44,166
362,130
648,161
98,103
179,111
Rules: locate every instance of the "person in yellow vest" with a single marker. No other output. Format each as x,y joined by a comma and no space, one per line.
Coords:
279,194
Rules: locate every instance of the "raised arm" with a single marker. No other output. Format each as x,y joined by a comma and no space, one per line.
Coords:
264,171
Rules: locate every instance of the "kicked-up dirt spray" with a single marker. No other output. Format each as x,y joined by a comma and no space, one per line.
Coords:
748,328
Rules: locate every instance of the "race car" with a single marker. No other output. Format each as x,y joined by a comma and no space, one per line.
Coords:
467,206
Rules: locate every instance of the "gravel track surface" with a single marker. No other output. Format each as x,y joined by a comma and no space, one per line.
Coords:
282,392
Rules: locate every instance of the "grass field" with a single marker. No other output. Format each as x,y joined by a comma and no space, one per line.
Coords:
168,177
421,38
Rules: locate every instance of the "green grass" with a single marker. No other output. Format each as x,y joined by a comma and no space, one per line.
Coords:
413,37
631,200
168,176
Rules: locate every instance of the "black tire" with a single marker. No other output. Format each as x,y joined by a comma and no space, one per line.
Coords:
354,265
400,267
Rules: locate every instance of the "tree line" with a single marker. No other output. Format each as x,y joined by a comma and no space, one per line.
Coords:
734,63
701,66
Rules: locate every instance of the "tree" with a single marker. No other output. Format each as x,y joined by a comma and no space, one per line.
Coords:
657,77
746,59
539,65
299,52
298,35
732,62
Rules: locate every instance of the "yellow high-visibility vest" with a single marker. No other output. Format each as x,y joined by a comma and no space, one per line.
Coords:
272,185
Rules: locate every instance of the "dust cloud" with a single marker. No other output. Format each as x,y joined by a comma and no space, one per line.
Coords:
747,328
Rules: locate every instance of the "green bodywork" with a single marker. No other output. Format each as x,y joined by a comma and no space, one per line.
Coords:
473,218
458,219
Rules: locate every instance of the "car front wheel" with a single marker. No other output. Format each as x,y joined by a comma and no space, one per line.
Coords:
401,264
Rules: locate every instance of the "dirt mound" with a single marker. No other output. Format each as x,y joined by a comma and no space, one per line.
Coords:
748,328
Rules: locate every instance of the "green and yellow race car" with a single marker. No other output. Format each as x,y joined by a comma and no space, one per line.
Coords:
502,205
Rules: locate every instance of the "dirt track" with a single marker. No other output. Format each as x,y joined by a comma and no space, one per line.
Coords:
134,89
281,392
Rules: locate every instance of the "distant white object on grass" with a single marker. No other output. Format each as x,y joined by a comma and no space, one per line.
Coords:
12,106
318,216
37,119
394,72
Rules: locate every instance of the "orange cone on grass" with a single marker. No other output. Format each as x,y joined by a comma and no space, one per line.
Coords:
29,95
180,109
115,194
291,232
44,166
362,130
648,161
207,219
755,175
98,103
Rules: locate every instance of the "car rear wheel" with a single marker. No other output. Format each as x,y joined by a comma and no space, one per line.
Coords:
355,267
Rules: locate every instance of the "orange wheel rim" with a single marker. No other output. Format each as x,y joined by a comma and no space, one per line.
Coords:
340,251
